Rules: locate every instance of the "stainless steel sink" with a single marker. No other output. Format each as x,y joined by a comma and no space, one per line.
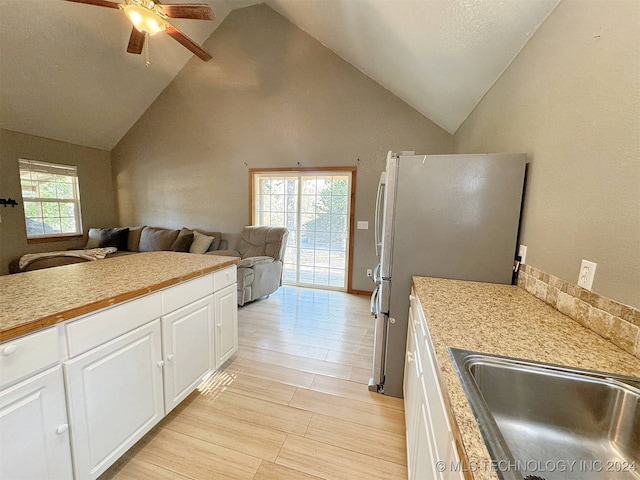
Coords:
542,421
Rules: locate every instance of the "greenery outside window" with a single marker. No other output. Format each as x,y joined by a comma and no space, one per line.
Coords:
51,199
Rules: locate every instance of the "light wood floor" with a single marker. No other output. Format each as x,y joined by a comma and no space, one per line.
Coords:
291,404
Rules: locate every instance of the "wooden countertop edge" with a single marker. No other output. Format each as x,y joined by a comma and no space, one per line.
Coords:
91,307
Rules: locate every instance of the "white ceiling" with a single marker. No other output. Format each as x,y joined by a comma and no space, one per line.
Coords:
65,74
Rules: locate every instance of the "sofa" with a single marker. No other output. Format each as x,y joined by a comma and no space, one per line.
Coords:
127,241
261,250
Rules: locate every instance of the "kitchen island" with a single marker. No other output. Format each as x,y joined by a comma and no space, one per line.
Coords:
33,300
93,355
503,320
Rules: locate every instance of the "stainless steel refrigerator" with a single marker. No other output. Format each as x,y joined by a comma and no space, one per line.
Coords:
447,216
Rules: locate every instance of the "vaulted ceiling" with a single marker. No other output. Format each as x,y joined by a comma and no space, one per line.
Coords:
65,73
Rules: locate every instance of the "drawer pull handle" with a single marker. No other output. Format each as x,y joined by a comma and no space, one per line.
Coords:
411,298
219,325
160,363
62,428
170,357
9,350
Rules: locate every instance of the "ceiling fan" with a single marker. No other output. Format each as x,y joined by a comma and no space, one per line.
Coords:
150,17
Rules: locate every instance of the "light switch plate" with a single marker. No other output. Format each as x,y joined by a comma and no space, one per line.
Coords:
587,272
363,225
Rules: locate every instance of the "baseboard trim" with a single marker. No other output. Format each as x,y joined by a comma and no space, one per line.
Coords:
361,292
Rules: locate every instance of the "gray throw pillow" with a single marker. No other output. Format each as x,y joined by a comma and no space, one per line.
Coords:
201,242
133,243
157,239
182,243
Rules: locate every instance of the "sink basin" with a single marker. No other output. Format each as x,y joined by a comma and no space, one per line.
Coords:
542,421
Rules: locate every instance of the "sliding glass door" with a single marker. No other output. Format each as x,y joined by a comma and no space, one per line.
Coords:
315,207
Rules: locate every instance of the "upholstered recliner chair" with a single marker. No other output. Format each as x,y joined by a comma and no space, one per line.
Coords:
260,270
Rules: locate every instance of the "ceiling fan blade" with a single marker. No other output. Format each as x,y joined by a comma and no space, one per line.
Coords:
198,11
185,41
136,41
97,3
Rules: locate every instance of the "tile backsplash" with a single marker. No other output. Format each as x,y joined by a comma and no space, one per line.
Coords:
614,321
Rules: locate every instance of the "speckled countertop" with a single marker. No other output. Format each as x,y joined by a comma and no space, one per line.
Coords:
33,300
505,320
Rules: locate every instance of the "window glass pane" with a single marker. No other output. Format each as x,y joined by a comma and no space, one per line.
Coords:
321,258
47,190
64,190
338,223
277,185
67,225
67,210
309,185
277,219
308,203
292,186
50,209
32,209
264,186
277,203
51,225
323,240
29,188
339,204
35,226
323,222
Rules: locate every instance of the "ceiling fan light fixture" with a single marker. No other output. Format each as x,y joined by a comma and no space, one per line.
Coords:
144,19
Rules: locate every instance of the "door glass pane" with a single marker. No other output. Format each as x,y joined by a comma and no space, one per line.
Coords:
314,208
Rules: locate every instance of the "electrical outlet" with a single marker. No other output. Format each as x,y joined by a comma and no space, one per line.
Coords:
522,253
369,272
363,225
587,272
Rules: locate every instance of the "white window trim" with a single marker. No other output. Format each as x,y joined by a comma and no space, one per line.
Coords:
59,169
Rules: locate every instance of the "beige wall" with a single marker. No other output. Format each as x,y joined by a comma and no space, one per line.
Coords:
271,97
571,101
94,177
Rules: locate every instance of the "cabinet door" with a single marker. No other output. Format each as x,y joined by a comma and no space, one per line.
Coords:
226,318
188,350
412,393
34,437
425,463
114,398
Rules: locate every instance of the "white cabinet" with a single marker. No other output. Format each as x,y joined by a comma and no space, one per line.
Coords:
34,435
114,396
188,347
429,436
125,367
226,318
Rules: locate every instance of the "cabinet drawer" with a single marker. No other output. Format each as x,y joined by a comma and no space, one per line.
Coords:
185,293
29,354
99,328
224,278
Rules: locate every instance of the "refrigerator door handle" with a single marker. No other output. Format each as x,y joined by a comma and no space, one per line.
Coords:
377,219
375,300
377,279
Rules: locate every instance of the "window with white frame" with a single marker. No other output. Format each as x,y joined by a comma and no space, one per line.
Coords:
51,199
